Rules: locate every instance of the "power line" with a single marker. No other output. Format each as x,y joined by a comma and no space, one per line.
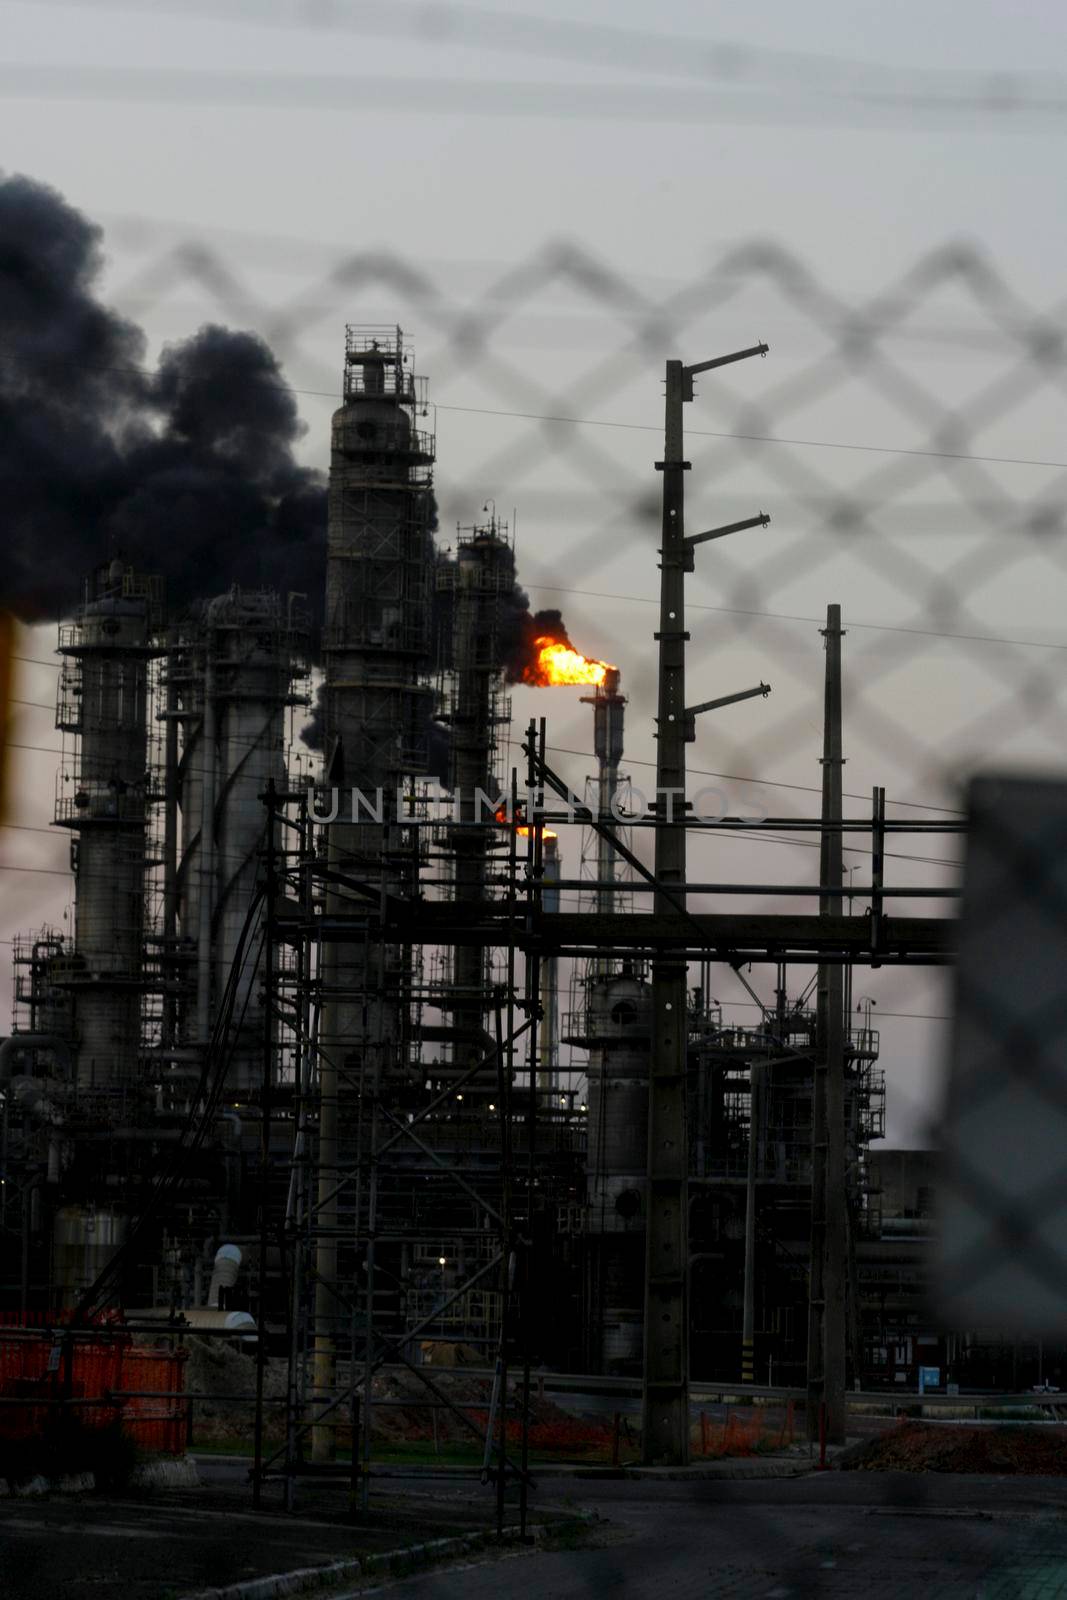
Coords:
787,616
765,783
696,772
752,438
730,61
334,396
758,837
558,101
49,872
700,772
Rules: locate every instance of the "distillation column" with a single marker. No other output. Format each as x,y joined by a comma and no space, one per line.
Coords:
376,652
481,576
103,698
232,673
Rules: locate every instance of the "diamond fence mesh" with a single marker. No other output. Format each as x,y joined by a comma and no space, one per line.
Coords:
905,441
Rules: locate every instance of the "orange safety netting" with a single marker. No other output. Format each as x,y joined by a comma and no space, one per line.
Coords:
99,1379
743,1433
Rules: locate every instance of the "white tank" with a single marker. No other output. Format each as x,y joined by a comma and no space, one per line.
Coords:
83,1242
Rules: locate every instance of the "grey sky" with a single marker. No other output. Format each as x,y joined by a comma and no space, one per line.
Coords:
795,152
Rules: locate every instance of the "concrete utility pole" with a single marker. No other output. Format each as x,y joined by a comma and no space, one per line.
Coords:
755,1145
666,1348
826,1308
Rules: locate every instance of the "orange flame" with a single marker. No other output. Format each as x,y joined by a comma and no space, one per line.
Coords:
557,663
521,829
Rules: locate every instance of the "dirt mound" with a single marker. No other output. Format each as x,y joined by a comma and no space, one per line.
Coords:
1036,1451
221,1371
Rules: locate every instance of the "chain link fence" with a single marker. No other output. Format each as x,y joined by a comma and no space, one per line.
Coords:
905,441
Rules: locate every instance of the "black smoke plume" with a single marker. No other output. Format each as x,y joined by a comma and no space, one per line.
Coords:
523,628
186,471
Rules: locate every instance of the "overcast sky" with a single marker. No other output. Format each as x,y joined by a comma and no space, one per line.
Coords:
569,175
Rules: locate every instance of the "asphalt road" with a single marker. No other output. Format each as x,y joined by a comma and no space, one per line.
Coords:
867,1535
161,1547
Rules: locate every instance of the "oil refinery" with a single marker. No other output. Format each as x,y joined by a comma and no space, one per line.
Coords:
400,1053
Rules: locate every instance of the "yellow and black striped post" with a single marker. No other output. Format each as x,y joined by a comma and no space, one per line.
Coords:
748,1362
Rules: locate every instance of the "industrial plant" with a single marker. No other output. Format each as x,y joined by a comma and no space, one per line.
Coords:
373,1045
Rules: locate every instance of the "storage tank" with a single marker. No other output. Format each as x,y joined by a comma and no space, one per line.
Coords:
84,1239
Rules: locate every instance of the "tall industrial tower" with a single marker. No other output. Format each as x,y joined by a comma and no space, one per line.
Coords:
376,655
103,699
481,578
378,703
615,1026
104,694
230,676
